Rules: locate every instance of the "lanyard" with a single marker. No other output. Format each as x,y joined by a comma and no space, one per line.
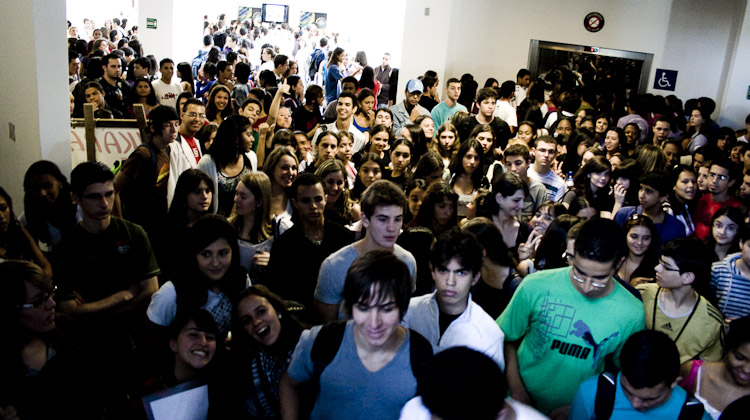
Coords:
653,315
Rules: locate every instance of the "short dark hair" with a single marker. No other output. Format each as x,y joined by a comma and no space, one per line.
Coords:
249,101
523,73
649,358
517,149
691,256
242,72
305,178
203,320
458,244
601,240
208,40
451,80
466,375
352,96
375,276
486,93
279,60
88,173
545,139
507,88
658,180
191,101
143,62
165,61
382,193
734,172
350,79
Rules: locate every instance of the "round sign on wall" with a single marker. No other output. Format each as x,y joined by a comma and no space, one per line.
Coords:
593,22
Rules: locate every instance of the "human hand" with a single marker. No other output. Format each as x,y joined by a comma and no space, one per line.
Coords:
620,192
263,128
560,413
285,88
414,113
260,259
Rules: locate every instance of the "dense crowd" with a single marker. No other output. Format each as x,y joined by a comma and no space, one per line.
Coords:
308,242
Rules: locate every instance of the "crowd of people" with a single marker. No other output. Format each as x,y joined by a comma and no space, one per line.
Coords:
311,243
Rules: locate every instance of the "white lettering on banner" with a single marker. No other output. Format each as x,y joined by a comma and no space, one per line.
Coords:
112,144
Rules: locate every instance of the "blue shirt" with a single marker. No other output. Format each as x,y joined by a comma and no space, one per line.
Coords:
670,228
585,399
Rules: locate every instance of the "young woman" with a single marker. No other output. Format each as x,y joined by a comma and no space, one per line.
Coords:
295,97
650,157
614,142
682,199
626,186
370,169
326,146
642,240
446,143
438,209
229,158
252,219
185,74
726,224
372,357
601,125
380,139
509,192
699,126
339,205
144,95
717,384
365,116
499,276
368,81
334,74
344,153
264,335
430,168
592,182
427,125
527,133
415,191
384,116
401,152
416,136
467,173
281,168
308,117
218,106
210,276
544,215
206,135
49,209
547,254
15,241
632,135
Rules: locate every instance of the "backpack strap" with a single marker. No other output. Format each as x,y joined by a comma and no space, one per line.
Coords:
605,396
326,346
420,352
692,409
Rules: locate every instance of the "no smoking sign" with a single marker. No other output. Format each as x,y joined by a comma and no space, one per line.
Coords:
593,22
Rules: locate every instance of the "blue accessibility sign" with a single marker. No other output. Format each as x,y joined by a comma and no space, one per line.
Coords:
665,79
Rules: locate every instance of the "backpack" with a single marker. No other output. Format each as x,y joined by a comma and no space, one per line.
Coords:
316,58
134,201
605,400
198,62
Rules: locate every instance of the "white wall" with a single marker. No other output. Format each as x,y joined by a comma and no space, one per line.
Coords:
735,106
34,94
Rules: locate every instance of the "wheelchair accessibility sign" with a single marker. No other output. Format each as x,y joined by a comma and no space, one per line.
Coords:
665,79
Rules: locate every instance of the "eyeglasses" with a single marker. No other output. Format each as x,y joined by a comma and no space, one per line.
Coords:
40,301
666,267
193,115
719,176
594,283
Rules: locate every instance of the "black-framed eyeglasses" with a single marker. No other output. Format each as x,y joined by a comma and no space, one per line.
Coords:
666,267
39,302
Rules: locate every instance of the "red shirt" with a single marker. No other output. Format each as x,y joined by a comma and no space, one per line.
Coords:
194,147
705,211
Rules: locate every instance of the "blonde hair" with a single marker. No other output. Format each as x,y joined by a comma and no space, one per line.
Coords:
260,187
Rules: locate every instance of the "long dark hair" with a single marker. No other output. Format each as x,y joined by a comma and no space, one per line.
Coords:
186,75
211,110
227,145
651,256
457,168
434,194
151,98
190,283
736,216
548,253
187,183
14,239
291,328
61,214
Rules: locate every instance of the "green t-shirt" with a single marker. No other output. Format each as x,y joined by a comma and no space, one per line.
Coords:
564,335
703,335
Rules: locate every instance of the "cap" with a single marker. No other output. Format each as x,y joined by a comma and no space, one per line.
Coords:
414,85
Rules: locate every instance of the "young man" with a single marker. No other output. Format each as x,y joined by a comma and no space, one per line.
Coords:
186,152
106,271
405,112
430,90
730,280
383,205
142,180
242,86
654,191
445,110
346,106
745,188
448,317
555,322
646,388
545,150
225,74
487,101
116,91
312,239
168,88
503,108
523,80
461,383
383,75
662,129
517,159
280,67
674,307
348,84
636,103
721,177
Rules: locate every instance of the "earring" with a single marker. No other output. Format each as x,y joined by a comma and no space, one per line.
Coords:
279,316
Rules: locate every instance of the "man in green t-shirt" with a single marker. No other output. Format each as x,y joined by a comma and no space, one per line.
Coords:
562,323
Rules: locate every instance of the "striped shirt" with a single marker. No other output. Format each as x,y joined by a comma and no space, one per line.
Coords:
730,287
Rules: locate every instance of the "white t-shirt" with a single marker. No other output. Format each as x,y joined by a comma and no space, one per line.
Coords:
505,111
554,184
415,410
167,94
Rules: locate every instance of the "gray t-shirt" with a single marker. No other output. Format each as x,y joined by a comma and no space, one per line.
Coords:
332,274
347,389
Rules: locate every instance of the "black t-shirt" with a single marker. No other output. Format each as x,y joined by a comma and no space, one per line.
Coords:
306,120
444,320
499,127
428,102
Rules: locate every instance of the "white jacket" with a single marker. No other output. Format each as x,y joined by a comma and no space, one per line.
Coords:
180,160
473,328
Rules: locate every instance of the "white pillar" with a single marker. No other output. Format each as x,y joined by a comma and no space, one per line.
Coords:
178,33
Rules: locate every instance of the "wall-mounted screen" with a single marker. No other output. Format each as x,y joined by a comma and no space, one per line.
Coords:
275,13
